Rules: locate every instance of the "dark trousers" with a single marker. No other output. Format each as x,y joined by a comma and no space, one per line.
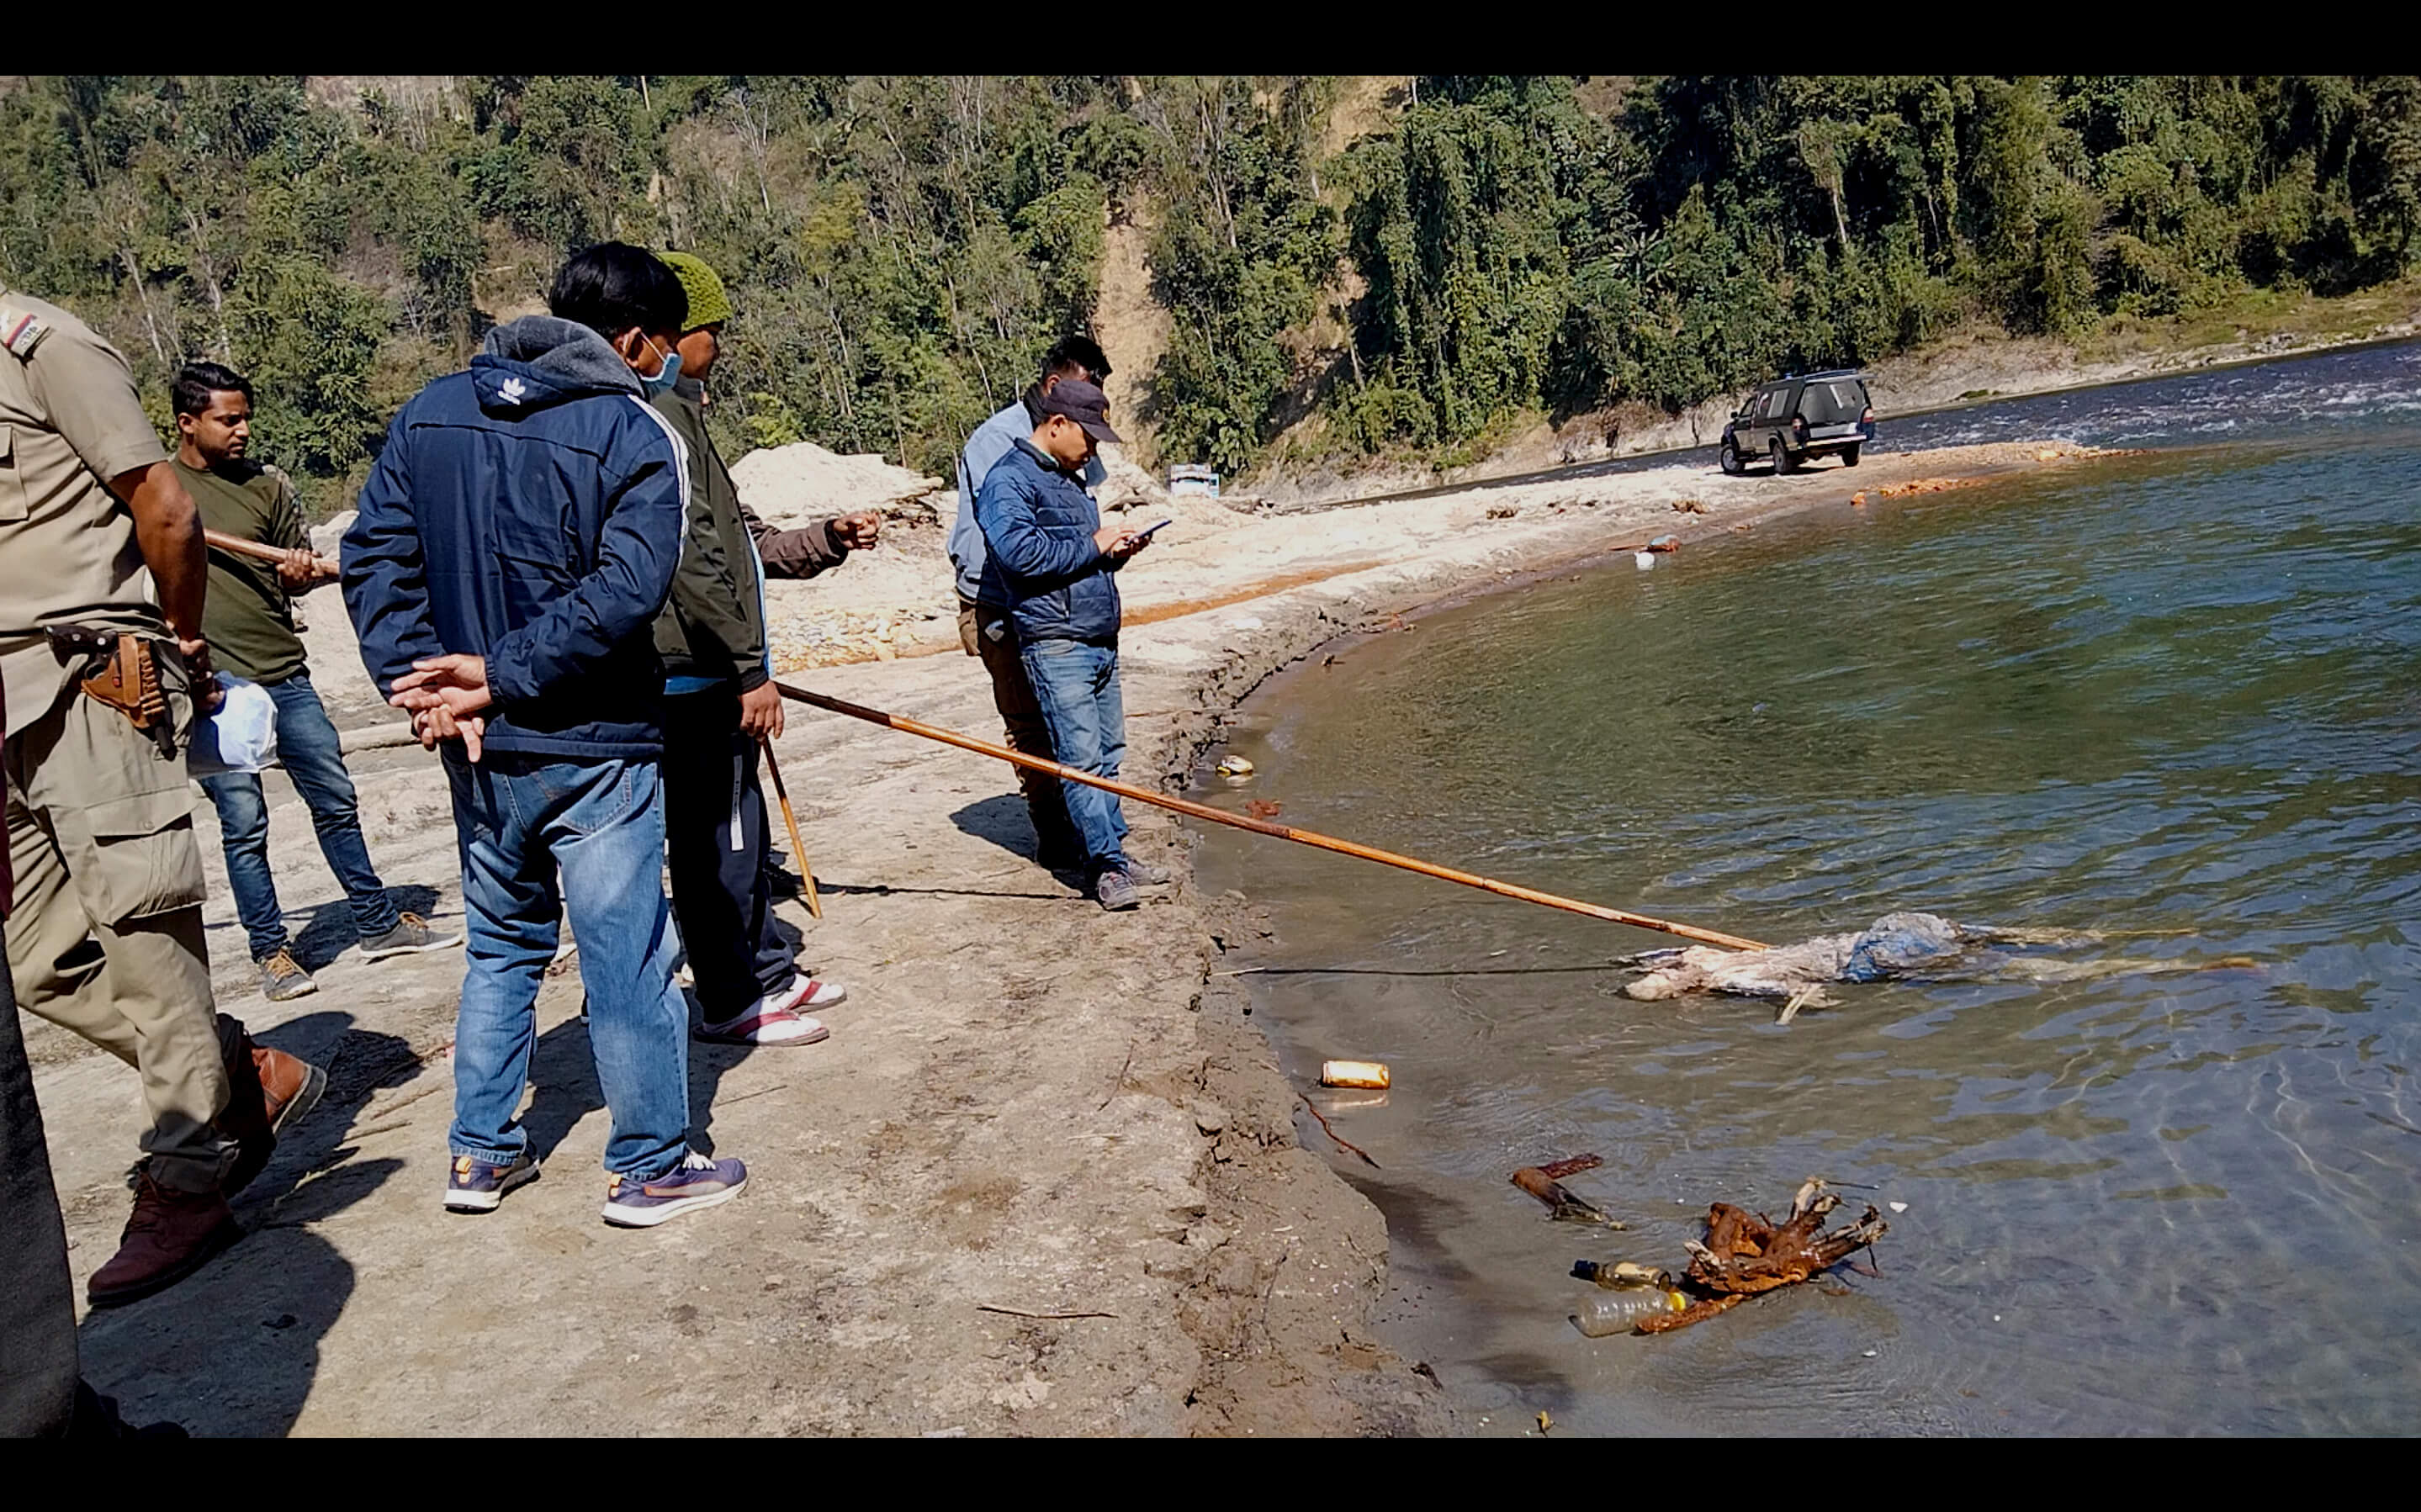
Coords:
37,1324
308,748
716,839
1021,716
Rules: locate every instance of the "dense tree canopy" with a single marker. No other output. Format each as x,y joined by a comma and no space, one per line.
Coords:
902,248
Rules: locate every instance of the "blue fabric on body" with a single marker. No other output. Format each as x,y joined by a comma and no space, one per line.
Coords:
1898,944
521,822
993,440
1077,685
530,510
308,748
1039,525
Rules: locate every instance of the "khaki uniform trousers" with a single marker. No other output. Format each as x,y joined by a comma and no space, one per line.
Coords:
105,937
1020,717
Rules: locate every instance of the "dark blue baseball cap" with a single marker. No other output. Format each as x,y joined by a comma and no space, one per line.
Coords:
1085,405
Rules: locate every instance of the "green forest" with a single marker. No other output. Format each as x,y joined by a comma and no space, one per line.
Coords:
1396,270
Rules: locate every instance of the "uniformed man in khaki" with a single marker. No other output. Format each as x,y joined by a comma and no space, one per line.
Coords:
98,537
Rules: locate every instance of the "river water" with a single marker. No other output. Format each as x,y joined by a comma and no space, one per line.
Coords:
2175,691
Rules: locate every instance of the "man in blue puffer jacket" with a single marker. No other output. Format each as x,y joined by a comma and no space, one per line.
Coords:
1050,559
516,541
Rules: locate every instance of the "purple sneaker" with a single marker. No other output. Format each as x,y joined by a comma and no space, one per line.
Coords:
476,1187
696,1182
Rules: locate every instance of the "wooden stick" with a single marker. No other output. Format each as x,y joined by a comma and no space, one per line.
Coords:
1124,1067
1281,832
1019,1311
798,847
1335,1135
327,565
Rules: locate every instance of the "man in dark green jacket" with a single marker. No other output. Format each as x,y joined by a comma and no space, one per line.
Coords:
721,703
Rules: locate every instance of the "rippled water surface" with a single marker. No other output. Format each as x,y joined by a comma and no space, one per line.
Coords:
2177,692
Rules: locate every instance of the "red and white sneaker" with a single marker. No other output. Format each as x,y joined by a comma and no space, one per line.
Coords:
775,1020
807,992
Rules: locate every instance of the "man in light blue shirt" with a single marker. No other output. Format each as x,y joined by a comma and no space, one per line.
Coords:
984,626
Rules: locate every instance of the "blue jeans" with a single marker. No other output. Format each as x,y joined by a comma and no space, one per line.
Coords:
600,824
1077,685
307,749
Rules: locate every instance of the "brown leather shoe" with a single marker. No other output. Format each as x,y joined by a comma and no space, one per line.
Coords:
278,1089
170,1236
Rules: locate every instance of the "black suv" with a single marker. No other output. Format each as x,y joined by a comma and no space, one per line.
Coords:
1792,419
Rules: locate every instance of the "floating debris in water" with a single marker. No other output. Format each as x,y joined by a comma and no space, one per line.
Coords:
1541,1181
1371,1074
1896,947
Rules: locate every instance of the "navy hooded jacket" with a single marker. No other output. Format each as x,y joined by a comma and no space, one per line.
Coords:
531,511
1037,525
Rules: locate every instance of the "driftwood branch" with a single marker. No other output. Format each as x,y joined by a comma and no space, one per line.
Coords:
1539,1181
1746,1255
1331,1134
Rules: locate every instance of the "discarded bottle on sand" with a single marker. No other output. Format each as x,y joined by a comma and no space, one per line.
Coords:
1624,1308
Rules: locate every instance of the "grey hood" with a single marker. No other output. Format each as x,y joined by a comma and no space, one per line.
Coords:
548,360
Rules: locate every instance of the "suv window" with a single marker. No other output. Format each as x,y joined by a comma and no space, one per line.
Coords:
1836,401
1775,398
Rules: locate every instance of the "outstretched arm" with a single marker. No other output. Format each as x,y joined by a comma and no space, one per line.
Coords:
797,553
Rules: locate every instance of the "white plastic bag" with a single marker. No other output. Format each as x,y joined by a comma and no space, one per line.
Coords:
240,736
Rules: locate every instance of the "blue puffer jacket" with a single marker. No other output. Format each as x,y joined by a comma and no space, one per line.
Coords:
530,511
1038,528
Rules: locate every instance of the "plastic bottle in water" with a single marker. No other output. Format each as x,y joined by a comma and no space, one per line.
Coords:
1612,1273
1623,1308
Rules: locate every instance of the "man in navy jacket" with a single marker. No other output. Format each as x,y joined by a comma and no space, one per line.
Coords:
1050,559
515,543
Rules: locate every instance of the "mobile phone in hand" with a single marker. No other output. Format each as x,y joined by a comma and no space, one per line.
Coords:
1145,534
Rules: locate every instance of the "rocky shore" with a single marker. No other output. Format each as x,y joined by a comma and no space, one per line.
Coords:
1044,1178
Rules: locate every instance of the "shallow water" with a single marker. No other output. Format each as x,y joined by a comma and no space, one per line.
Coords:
2175,691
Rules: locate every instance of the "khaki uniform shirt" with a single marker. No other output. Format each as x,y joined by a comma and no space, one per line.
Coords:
70,421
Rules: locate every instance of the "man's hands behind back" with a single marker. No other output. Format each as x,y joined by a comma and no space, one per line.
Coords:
444,696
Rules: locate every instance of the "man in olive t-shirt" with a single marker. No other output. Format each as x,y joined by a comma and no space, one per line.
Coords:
248,618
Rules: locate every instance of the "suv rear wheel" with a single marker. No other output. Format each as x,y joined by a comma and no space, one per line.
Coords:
1781,457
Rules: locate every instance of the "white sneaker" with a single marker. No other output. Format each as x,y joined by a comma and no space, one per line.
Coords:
773,1019
811,993
778,1027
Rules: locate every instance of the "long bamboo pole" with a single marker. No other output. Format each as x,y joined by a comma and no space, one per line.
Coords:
1281,832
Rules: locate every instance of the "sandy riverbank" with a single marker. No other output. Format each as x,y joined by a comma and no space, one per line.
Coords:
1027,1104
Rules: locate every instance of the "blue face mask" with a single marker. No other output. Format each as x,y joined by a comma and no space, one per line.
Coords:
666,377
